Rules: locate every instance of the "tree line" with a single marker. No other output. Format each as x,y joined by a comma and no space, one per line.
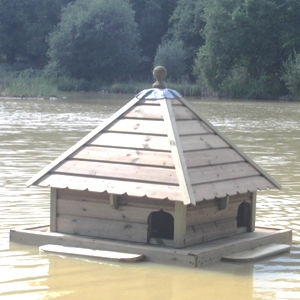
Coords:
236,48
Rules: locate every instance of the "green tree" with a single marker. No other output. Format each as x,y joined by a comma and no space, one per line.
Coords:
172,56
152,16
95,39
186,24
291,75
24,26
249,35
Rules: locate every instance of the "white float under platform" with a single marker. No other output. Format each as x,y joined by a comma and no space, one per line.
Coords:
89,253
193,256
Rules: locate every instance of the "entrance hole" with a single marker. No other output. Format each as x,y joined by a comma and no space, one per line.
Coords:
244,215
161,225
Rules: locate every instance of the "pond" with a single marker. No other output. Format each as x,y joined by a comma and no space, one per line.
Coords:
33,133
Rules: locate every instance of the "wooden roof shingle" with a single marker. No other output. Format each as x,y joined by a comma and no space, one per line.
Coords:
157,146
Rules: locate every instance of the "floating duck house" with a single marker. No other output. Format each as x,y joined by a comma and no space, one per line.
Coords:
155,173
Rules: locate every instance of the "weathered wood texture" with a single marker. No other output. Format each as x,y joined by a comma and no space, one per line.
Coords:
229,187
195,256
162,149
119,187
85,213
53,209
210,231
211,213
180,225
182,175
103,228
129,156
253,211
207,222
119,171
90,214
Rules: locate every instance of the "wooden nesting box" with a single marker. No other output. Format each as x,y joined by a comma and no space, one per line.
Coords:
155,172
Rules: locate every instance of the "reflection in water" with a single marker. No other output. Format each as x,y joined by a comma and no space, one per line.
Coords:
33,133
51,276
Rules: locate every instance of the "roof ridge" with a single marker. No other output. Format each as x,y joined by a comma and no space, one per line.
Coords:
176,149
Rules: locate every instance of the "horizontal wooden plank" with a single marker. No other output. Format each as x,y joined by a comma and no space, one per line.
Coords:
157,102
193,238
202,253
90,253
201,142
192,127
132,141
135,157
210,214
221,172
137,189
103,228
84,195
127,213
219,234
210,231
211,157
183,113
138,126
147,203
230,187
241,197
118,171
144,112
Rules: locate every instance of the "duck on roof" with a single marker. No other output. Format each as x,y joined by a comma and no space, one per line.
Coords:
158,147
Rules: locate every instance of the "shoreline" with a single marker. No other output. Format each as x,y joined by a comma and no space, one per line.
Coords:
30,97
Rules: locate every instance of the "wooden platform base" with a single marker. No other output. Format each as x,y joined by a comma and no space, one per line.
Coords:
194,256
84,252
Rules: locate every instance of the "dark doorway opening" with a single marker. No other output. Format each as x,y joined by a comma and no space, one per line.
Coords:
161,225
244,215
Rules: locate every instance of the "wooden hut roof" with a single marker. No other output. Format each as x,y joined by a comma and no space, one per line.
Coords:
157,146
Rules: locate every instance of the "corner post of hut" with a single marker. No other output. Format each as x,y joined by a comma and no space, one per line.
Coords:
180,225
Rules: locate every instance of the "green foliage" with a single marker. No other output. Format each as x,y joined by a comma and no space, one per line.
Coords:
24,25
152,17
291,75
95,39
248,34
239,84
186,25
131,87
68,84
29,84
172,56
185,88
5,78
237,48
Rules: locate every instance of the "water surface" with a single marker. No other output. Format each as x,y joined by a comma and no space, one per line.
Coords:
33,133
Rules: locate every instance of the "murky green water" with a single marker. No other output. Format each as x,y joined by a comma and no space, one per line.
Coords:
33,133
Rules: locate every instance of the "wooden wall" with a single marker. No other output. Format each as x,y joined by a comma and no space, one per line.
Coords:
207,222
91,214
